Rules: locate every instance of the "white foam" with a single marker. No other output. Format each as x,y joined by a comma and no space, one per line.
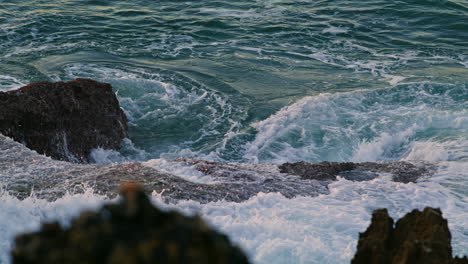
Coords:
335,30
172,45
394,79
259,51
8,83
274,229
433,151
183,170
428,151
383,65
224,12
155,102
359,125
376,149
128,152
105,156
33,47
324,229
25,216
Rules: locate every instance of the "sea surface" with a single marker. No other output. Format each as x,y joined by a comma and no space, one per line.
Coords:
265,81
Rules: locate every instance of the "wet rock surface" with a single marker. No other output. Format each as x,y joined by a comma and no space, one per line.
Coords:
418,237
401,171
63,120
317,171
131,231
23,171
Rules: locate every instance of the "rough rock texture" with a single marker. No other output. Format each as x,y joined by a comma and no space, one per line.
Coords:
317,171
131,231
418,237
63,120
463,260
375,245
401,171
51,179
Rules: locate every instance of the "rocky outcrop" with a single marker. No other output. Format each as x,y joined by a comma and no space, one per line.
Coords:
401,171
418,237
235,182
131,231
63,120
317,171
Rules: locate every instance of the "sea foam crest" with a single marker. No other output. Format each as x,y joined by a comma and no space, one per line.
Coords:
270,227
177,115
362,125
10,83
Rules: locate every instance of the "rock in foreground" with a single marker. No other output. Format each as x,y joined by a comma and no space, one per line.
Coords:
418,237
63,120
131,231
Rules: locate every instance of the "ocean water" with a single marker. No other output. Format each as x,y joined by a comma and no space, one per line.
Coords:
265,81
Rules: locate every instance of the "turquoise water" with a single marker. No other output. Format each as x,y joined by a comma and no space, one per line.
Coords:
195,77
268,81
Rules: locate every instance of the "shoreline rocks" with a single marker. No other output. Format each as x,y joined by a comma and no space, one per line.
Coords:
51,179
130,231
317,171
401,171
418,237
63,120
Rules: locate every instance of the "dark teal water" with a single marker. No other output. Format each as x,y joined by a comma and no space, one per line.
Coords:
264,81
195,78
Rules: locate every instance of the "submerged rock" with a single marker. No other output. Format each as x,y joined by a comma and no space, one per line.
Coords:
131,231
401,171
63,120
418,237
317,171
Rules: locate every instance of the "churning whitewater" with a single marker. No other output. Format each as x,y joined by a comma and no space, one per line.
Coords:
238,88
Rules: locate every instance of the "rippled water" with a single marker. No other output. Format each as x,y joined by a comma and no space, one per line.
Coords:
194,77
270,81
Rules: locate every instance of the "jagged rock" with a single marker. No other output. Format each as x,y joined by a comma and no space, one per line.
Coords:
131,231
63,120
374,243
401,171
235,182
418,237
317,171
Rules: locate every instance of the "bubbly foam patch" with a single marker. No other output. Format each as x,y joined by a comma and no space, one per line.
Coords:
25,216
172,46
272,228
8,83
127,152
183,170
335,30
431,151
169,115
364,125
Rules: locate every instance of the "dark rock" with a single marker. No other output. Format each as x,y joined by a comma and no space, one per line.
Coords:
418,237
317,171
131,231
63,120
422,237
401,171
374,243
234,182
458,260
